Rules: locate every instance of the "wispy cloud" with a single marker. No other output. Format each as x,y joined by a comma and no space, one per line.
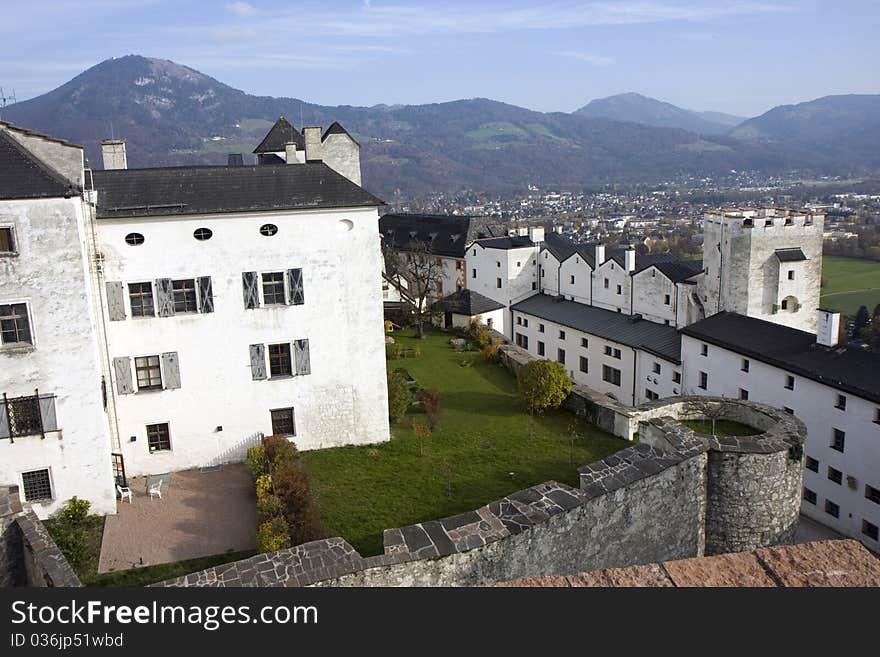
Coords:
589,58
241,9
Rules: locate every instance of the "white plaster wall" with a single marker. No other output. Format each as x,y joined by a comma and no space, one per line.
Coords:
50,274
579,291
343,401
609,298
814,403
496,317
548,282
650,288
629,365
492,264
342,154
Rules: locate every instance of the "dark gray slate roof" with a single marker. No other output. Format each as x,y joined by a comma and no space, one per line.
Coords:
447,235
850,369
663,341
563,248
675,270
467,302
790,255
23,175
517,242
213,190
337,129
279,135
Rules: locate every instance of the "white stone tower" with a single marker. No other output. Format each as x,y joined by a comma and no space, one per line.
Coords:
764,263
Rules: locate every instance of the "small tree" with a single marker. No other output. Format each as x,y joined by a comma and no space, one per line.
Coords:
398,396
708,408
418,275
861,321
422,432
430,400
543,385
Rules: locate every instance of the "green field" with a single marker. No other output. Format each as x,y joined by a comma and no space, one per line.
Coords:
484,447
850,283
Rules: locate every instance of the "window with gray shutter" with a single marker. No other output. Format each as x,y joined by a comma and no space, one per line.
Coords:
122,370
4,420
250,289
170,370
47,413
206,294
258,362
301,355
295,286
116,300
164,297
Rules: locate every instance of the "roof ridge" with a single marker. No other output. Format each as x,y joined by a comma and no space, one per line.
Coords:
41,167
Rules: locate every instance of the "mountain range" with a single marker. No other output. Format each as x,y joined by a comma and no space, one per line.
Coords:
170,114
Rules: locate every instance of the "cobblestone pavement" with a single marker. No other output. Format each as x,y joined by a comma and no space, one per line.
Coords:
200,514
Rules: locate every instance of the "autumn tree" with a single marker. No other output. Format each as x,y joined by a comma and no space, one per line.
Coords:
418,274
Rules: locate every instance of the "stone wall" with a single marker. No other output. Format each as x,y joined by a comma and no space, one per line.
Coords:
675,495
28,555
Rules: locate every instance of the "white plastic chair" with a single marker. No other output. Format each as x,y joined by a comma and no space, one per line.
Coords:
124,491
155,490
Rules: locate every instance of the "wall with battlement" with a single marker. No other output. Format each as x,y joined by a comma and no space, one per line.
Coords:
674,495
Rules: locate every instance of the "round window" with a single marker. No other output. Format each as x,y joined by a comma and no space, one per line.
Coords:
134,239
268,229
202,234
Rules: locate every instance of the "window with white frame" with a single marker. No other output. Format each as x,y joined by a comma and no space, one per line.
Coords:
15,325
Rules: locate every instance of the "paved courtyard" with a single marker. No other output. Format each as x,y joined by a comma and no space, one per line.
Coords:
200,514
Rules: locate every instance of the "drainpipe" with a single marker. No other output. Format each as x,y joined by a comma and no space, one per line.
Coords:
634,376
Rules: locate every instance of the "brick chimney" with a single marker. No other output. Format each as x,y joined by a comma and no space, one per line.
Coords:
828,329
113,154
313,144
290,152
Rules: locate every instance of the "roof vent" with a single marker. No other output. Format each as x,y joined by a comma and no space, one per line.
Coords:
558,298
635,318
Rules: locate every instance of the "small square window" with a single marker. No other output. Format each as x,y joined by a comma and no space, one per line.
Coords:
838,440
746,365
790,274
704,350
15,326
656,368
872,494
704,381
617,353
811,464
560,356
37,485
562,335
149,373
841,402
158,437
585,343
676,377
789,382
835,475
184,292
809,496
279,360
832,509
273,288
667,300
743,394
870,530
788,410
540,328
140,296
283,422
7,240
619,289
540,348
584,365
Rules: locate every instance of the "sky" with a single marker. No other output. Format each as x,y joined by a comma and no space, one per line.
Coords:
554,55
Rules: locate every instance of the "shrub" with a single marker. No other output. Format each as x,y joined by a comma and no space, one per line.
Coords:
398,396
273,535
467,362
264,486
543,385
269,507
257,462
70,532
389,326
492,351
477,333
300,511
278,450
430,400
392,351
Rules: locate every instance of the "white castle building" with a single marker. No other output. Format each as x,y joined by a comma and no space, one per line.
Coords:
162,319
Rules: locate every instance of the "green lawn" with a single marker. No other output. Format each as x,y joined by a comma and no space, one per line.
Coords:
483,448
722,428
850,283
